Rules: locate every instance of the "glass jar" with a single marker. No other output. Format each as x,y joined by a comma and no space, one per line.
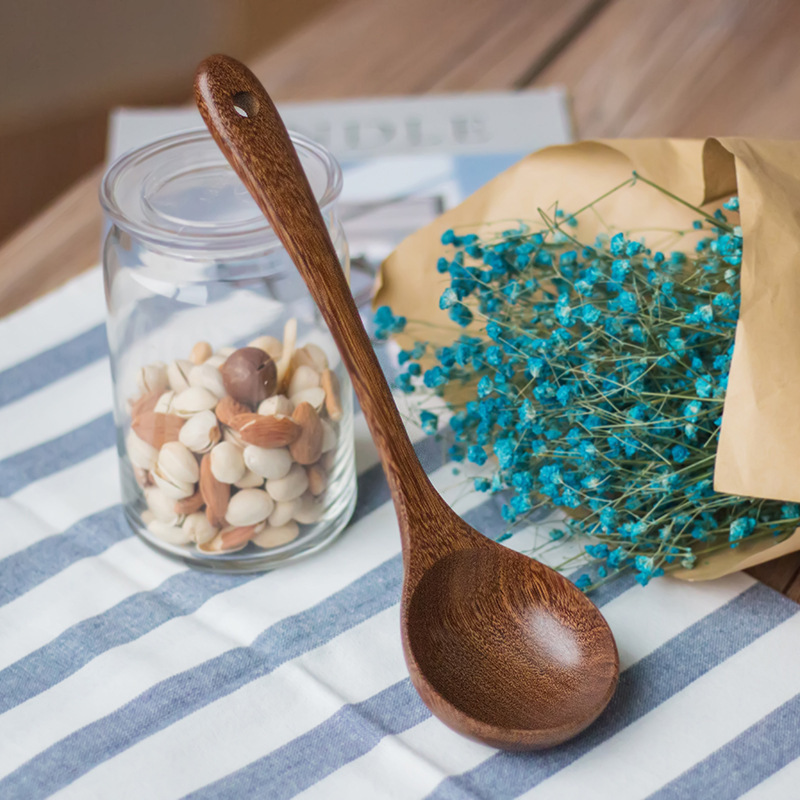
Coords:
234,413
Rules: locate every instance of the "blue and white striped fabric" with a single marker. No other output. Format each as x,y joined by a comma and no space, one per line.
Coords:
126,675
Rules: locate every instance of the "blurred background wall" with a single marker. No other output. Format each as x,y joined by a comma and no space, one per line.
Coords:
65,63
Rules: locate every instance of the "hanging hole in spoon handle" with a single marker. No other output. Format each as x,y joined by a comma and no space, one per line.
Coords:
248,129
245,104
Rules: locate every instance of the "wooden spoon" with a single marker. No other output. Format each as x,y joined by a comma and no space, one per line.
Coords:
501,648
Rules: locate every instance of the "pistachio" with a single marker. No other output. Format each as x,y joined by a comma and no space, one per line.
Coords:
303,378
164,403
329,437
314,396
276,536
282,513
162,506
177,464
175,489
308,509
268,462
250,480
290,487
198,528
328,460
278,404
215,545
310,355
269,344
249,376
178,374
215,361
193,400
201,352
209,377
234,437
172,534
227,463
200,432
152,378
142,476
249,507
140,453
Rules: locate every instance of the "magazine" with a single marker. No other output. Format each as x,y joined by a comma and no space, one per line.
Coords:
405,159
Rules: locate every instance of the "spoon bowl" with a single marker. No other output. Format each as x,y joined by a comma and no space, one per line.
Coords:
503,653
500,647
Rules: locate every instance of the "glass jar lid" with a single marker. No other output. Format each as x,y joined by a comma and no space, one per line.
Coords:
180,194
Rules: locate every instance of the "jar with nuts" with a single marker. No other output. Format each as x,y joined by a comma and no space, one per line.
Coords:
234,412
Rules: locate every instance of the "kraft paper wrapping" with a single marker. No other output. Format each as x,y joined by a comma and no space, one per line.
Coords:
759,449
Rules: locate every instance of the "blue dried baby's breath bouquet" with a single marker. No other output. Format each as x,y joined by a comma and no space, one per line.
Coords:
599,373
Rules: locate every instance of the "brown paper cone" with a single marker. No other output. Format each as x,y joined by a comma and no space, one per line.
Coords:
759,449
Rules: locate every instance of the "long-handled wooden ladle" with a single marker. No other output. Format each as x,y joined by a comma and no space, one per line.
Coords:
501,648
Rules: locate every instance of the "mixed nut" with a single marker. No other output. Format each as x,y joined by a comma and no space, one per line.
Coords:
235,446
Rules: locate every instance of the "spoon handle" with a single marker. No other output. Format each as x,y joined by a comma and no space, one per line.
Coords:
258,147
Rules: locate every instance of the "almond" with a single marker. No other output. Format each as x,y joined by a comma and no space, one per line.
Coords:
269,432
269,344
230,539
228,408
215,494
190,504
307,447
147,402
157,429
317,479
234,537
333,404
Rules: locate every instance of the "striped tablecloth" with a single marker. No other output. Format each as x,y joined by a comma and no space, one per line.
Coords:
126,675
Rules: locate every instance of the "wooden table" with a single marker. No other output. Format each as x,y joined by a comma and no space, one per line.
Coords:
633,68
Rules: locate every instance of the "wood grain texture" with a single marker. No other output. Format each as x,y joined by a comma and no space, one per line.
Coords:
792,590
357,48
34,167
60,243
501,648
683,68
672,67
779,574
365,48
